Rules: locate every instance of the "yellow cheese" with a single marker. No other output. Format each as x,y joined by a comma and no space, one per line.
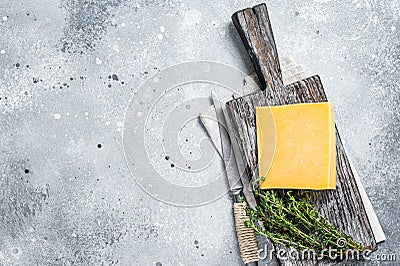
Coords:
297,146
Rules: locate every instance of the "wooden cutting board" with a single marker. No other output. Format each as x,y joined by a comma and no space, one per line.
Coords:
344,206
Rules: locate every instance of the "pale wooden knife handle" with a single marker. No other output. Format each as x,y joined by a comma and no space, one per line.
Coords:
246,237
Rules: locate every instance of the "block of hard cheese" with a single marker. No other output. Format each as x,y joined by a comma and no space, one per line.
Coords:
297,146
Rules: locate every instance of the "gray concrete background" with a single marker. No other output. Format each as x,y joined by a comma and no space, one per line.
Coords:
66,200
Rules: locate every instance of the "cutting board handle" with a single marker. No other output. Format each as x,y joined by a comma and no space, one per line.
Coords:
255,30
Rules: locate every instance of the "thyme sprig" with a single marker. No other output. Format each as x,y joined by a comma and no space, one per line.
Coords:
291,220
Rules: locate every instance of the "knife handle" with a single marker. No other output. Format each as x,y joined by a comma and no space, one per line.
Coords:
246,237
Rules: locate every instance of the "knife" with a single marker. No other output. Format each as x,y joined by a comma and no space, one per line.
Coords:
246,237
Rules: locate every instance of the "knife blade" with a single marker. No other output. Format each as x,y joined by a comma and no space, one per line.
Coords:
236,165
246,237
233,176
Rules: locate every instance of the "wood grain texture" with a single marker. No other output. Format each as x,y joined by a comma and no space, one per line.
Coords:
343,206
255,30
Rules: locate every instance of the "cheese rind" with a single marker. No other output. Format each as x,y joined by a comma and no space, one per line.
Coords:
297,146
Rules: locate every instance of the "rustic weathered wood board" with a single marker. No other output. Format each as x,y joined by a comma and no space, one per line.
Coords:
343,206
255,30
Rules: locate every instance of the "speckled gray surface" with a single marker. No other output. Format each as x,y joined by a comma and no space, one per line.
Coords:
67,196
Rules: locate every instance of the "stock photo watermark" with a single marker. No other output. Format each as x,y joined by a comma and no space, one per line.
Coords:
332,253
139,114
